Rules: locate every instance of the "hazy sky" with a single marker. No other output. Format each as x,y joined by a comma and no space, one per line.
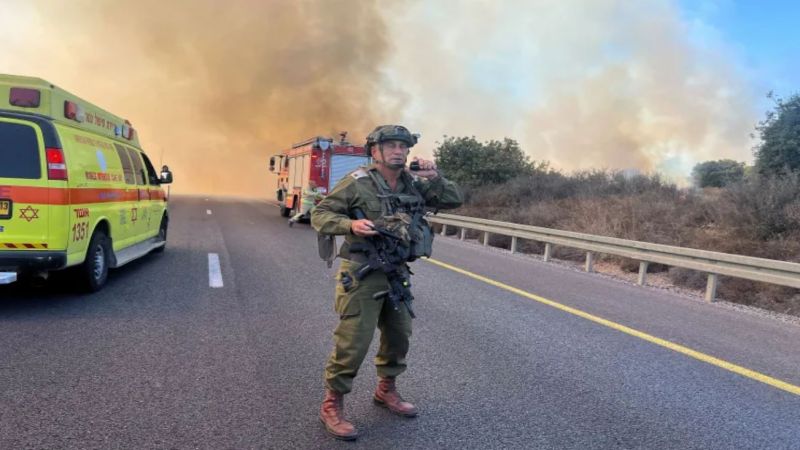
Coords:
655,85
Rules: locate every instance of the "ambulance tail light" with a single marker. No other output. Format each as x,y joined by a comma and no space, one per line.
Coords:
56,165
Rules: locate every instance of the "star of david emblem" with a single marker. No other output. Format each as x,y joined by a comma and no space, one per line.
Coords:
28,213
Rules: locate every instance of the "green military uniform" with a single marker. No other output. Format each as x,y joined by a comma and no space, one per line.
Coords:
358,311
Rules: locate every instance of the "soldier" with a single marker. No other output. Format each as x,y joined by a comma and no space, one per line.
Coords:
382,191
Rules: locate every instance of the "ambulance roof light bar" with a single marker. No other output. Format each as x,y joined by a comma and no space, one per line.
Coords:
24,97
127,130
74,111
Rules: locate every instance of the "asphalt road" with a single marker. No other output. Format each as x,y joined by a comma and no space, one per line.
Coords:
159,359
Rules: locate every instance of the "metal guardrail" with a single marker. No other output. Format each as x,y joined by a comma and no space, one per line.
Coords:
713,263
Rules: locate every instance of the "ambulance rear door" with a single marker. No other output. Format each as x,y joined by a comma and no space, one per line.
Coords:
24,192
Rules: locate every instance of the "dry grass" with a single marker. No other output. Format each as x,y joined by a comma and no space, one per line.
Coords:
759,217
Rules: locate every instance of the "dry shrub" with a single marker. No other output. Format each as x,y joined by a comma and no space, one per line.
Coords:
499,241
568,253
757,217
632,265
688,278
763,208
473,234
528,246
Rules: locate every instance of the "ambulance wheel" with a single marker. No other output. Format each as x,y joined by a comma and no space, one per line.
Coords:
285,212
94,269
162,235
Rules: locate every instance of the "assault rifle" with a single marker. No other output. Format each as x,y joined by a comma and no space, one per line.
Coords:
388,253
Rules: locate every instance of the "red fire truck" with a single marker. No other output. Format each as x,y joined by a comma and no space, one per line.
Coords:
319,159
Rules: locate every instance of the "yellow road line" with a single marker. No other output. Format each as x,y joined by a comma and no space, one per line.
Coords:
743,371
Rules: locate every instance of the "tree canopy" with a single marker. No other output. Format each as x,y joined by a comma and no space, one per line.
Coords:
467,161
719,173
779,150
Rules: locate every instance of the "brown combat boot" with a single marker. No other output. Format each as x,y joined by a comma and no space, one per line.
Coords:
332,415
386,395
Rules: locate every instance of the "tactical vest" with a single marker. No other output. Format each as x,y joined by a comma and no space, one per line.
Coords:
404,215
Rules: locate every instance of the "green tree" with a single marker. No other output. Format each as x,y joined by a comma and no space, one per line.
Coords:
719,173
467,161
779,149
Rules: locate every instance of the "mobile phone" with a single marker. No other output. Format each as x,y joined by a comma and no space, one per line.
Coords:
414,165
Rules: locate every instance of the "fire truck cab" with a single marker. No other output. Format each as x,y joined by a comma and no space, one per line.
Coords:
319,159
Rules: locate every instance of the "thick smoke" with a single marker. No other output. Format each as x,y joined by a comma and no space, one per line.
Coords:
216,87
600,84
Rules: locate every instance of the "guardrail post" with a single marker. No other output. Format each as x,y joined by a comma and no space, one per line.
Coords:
513,244
444,229
463,233
589,261
486,238
548,251
642,272
711,287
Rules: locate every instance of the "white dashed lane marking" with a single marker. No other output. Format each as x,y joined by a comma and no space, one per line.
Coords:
208,211
214,271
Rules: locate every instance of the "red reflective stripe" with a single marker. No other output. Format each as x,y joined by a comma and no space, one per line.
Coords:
81,196
29,246
24,194
76,196
55,196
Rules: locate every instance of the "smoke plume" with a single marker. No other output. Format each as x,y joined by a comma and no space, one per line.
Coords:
600,84
215,88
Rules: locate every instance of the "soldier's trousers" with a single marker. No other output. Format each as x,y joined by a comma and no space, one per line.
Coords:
359,315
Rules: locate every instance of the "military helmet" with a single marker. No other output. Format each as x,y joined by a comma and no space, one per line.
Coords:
385,133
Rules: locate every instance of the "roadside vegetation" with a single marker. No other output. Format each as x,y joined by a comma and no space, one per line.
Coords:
731,207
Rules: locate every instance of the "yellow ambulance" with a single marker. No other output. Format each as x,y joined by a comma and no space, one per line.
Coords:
76,189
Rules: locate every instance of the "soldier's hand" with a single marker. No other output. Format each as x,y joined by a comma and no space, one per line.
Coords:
427,169
363,227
